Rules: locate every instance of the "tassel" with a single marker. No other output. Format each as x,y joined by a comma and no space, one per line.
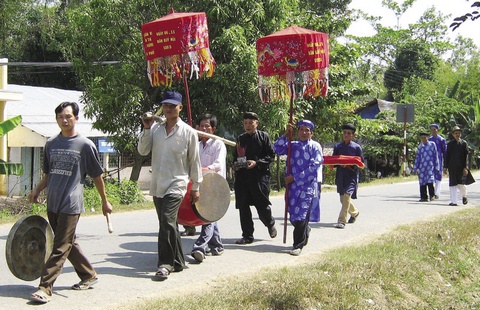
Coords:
260,94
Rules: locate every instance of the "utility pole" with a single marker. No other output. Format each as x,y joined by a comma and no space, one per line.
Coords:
4,97
405,114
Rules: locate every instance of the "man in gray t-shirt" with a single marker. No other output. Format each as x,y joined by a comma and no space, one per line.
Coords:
68,158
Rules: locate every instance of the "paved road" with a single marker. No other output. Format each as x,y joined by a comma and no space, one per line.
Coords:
126,259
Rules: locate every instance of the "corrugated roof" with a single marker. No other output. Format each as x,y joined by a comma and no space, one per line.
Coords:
38,109
372,108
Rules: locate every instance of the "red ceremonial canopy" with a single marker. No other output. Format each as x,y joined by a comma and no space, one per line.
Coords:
293,56
177,44
291,62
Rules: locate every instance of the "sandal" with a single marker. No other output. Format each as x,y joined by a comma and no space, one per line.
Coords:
244,241
162,274
40,297
85,284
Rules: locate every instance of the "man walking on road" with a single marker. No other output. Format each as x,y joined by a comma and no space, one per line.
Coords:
441,145
427,166
456,164
305,161
252,158
213,154
347,176
68,158
175,160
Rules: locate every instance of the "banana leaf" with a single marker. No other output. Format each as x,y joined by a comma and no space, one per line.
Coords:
9,124
10,168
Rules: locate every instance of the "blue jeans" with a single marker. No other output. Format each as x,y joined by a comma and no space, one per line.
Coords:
209,236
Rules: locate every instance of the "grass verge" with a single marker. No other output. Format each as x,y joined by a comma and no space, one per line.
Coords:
427,265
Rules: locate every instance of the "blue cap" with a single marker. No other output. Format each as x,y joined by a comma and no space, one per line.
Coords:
306,123
434,126
172,97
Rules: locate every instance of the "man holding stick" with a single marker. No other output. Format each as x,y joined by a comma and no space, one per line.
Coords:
302,180
175,160
68,158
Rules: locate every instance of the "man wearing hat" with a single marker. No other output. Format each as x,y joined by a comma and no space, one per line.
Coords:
301,179
427,165
175,161
347,176
456,164
252,158
441,145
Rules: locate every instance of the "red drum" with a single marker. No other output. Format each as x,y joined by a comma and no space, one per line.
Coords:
212,205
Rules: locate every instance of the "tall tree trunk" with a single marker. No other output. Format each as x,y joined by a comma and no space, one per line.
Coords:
137,166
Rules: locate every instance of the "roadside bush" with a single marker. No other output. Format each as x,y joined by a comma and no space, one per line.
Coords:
126,192
39,208
329,175
129,192
120,194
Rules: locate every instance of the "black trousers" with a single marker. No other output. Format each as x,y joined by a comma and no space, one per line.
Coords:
253,190
246,220
423,191
170,252
301,232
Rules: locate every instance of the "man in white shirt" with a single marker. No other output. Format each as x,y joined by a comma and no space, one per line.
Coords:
175,160
213,155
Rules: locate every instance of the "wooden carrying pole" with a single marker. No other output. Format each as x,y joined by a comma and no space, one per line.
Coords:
290,138
200,133
208,135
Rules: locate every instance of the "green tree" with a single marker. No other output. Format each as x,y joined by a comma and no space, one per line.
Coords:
43,44
27,35
408,63
463,50
412,60
460,84
117,95
387,49
13,17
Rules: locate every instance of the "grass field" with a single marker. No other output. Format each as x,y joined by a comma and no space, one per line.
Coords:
427,265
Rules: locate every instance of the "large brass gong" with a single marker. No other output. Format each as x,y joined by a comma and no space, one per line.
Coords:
29,244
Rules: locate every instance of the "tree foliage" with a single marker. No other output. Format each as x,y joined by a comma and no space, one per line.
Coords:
458,21
407,62
13,17
28,35
412,60
234,27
